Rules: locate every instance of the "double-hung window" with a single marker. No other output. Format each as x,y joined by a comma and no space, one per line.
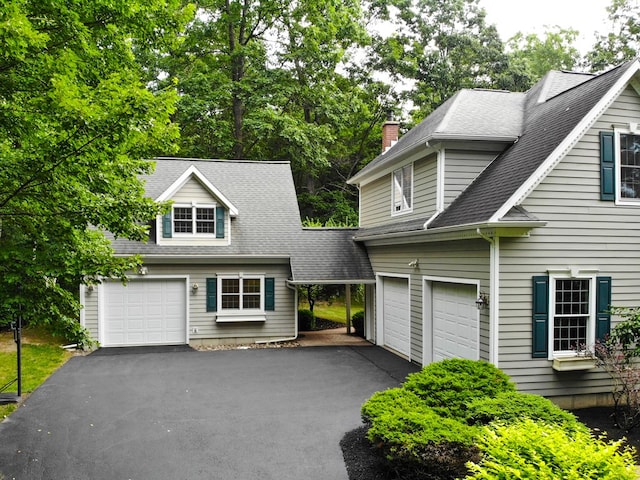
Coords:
403,189
572,314
620,166
194,219
240,298
629,166
241,294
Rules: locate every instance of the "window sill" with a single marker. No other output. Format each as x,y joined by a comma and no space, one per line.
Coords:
568,364
228,318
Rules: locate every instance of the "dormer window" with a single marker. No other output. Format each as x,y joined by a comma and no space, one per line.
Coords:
194,220
402,189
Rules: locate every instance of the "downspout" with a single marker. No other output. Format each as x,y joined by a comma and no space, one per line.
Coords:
494,298
295,318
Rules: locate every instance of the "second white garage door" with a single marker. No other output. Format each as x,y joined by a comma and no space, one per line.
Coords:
144,312
396,326
455,321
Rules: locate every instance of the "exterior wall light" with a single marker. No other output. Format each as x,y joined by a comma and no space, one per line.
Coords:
482,301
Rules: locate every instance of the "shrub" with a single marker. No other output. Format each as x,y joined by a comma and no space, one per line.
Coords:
414,439
306,320
357,320
532,450
388,400
512,407
619,357
448,385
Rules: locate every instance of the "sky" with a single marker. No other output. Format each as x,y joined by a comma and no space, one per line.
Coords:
531,16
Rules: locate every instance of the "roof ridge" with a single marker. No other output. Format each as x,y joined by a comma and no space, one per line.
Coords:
222,160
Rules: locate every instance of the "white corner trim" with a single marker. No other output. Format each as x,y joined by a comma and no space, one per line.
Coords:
186,175
567,144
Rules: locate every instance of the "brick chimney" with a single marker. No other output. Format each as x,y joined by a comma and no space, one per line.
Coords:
390,130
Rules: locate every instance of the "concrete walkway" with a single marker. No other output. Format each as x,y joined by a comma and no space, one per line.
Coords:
331,337
239,414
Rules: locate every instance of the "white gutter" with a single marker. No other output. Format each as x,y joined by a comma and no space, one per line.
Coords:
295,318
494,299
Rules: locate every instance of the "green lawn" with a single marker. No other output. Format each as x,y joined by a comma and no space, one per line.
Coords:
336,311
39,360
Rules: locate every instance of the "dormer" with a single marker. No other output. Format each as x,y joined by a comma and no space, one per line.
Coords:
200,213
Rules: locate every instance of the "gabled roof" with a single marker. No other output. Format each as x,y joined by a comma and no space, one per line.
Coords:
267,227
553,116
193,172
550,130
262,193
479,114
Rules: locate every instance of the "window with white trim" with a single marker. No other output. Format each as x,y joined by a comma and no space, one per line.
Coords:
572,314
241,293
403,189
194,219
628,156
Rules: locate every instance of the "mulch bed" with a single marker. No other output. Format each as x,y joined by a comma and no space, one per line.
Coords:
363,462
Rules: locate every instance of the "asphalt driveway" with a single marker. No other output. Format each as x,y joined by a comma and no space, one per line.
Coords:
241,414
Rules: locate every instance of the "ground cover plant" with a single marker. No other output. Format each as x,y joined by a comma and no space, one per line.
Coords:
41,356
458,418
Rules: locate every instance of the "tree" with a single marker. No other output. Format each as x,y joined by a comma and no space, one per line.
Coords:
623,42
531,57
76,123
437,48
274,80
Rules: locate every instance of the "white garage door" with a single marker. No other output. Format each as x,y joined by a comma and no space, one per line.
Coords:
455,321
145,312
396,328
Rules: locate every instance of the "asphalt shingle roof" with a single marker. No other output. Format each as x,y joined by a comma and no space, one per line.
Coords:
267,224
324,255
546,125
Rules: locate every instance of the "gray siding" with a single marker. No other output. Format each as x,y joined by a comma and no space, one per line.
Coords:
375,204
462,259
193,191
279,323
461,168
582,232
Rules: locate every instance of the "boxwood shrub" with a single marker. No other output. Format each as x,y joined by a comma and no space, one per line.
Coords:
447,386
511,407
461,417
541,451
306,320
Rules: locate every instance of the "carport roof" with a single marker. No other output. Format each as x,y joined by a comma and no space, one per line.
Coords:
330,255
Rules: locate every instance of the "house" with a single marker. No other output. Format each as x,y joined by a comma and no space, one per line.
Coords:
505,224
222,265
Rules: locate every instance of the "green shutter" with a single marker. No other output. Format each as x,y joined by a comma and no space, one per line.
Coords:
603,303
212,294
219,222
166,225
269,294
540,317
607,167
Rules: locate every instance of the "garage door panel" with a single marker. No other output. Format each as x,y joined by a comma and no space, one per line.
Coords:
145,312
455,321
395,315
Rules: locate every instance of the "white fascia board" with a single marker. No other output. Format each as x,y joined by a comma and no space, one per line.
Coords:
393,162
567,144
184,178
311,281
